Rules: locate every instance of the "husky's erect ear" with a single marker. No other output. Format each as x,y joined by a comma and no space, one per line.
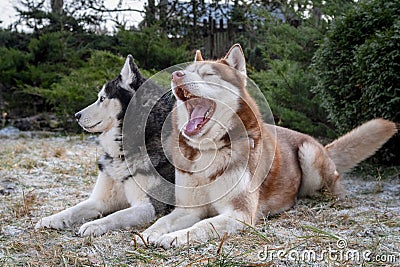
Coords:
235,58
198,56
129,73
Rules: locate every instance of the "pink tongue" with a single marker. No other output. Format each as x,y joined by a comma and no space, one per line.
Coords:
196,118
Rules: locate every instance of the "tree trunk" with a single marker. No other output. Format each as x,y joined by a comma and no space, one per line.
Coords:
163,10
150,13
57,6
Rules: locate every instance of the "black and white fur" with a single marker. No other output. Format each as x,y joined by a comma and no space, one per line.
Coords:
120,193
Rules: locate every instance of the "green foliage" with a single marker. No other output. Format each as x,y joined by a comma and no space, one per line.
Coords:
70,16
40,64
61,48
358,66
286,87
51,48
295,43
52,56
14,71
152,49
79,88
44,74
12,63
287,53
44,70
15,40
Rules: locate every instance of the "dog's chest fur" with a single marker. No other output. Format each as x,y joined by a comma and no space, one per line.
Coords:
204,176
113,162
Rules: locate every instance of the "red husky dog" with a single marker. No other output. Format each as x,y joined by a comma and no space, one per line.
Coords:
232,168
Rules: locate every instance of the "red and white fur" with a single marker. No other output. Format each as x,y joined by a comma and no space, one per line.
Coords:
232,168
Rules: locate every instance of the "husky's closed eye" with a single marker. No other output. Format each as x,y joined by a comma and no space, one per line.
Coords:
209,73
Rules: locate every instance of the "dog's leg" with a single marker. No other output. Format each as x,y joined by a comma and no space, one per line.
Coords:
140,212
179,218
215,227
318,171
104,199
133,216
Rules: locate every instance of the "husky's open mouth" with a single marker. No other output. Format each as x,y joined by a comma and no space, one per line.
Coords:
200,110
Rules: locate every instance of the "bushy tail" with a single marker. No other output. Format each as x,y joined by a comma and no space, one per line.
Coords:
350,149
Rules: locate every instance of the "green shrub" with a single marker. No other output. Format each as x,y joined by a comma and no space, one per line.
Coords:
285,53
15,40
358,68
55,47
151,49
12,64
286,87
79,88
14,67
47,59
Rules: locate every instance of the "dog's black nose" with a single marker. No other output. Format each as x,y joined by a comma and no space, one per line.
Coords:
78,116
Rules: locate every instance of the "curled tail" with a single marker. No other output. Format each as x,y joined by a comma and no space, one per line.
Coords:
350,149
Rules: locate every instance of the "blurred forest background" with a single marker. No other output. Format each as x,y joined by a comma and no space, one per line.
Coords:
324,66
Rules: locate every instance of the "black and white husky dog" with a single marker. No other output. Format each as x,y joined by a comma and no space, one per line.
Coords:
120,192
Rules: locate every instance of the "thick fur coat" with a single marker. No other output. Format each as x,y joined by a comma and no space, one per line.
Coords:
122,197
233,169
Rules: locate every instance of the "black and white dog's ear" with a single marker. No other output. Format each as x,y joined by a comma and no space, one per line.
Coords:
130,73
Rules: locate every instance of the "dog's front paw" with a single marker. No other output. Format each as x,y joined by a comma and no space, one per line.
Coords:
54,222
94,228
173,240
149,236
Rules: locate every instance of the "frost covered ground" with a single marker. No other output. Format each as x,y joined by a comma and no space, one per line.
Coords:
42,175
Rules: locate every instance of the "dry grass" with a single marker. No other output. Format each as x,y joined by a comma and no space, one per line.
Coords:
41,176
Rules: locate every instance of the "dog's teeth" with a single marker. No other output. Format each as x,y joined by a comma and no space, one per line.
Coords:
207,113
187,94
